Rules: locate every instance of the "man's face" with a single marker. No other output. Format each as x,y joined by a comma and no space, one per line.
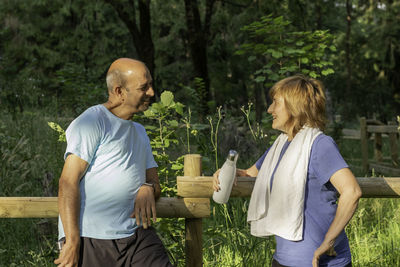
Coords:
138,90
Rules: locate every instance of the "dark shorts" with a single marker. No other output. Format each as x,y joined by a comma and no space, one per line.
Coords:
144,248
275,263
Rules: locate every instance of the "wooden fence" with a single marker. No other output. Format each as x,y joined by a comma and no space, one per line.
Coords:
377,129
193,203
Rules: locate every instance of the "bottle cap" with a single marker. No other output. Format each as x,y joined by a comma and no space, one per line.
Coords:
232,154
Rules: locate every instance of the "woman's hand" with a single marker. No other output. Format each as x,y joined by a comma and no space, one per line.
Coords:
325,248
216,181
239,173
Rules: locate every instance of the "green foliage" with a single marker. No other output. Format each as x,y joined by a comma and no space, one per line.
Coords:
163,137
280,50
214,133
162,132
61,133
257,133
58,51
24,166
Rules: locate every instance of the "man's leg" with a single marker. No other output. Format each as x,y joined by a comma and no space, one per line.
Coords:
142,249
97,252
148,249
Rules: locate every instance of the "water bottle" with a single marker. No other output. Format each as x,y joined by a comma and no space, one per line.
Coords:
226,178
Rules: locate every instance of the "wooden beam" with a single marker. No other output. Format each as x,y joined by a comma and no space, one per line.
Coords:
384,168
374,122
382,129
28,207
364,144
394,148
380,187
201,186
193,227
370,186
47,207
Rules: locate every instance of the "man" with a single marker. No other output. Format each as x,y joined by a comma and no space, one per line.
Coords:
109,182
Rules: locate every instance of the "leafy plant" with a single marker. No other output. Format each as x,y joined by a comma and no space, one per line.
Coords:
61,132
279,50
163,135
214,134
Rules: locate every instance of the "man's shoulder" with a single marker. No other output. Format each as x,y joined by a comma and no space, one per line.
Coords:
139,127
89,118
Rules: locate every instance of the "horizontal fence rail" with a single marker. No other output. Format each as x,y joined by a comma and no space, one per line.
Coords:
47,207
201,186
382,129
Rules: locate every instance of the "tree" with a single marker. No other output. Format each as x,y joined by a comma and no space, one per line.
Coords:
58,50
280,51
139,28
198,38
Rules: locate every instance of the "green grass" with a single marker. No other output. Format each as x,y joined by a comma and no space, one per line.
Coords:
31,162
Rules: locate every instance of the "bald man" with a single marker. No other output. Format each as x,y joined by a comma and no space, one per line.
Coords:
109,183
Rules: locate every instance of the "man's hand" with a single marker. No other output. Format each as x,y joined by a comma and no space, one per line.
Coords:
325,248
145,206
69,256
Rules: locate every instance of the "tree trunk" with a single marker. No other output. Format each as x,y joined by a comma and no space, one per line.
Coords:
141,34
259,102
348,55
198,36
318,11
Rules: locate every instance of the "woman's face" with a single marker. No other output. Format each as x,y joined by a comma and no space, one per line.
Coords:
279,112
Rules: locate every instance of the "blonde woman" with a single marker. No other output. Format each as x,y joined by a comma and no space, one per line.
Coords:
298,180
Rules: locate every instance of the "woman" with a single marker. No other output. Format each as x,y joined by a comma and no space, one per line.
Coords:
298,178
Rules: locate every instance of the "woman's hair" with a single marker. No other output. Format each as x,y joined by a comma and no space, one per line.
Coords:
304,100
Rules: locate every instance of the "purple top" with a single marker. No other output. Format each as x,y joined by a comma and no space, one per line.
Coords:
319,209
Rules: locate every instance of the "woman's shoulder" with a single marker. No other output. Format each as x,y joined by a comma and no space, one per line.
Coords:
323,142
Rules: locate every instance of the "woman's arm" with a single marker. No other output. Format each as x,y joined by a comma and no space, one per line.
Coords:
250,172
346,184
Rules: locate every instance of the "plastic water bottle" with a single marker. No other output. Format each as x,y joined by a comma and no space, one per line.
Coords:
226,178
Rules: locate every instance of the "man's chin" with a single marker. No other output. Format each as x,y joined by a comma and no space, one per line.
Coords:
144,107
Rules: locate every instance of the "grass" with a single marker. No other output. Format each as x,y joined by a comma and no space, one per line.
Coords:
31,162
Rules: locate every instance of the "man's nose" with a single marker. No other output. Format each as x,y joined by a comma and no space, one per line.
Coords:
150,91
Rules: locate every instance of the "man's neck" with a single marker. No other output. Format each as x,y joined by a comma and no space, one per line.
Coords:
118,110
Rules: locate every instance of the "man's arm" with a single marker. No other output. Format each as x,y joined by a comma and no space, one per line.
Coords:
69,208
152,178
145,203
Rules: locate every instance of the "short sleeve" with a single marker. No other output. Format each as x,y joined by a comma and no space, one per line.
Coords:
150,163
325,159
260,161
84,136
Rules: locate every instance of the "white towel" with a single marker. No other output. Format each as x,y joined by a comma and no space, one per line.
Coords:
280,211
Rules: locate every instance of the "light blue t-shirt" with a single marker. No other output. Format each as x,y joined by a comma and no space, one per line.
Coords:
319,209
118,152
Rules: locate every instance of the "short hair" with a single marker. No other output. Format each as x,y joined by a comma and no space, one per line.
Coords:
304,100
115,77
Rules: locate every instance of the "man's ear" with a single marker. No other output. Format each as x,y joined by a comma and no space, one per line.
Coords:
117,90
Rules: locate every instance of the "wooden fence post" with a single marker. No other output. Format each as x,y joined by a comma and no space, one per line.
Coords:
393,146
378,147
193,227
364,144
